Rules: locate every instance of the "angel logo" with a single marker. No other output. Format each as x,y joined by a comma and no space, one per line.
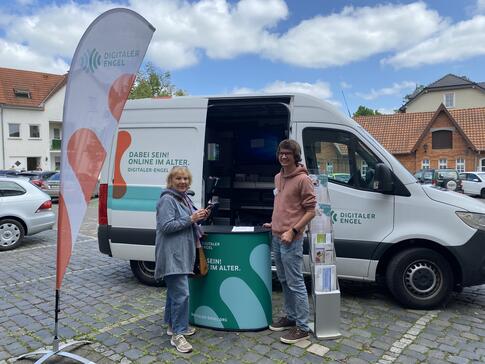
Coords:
90,60
334,216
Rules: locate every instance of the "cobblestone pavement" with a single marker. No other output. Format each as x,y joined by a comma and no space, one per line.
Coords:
101,301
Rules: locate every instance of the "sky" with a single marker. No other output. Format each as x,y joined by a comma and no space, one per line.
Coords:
349,53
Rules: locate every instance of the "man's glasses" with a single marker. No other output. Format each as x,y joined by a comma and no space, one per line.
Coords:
285,154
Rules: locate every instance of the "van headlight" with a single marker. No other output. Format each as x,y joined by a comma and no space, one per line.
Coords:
476,221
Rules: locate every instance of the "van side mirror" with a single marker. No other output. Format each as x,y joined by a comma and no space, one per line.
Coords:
190,193
383,181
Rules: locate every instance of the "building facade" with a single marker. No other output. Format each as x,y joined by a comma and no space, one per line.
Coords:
441,139
453,91
31,106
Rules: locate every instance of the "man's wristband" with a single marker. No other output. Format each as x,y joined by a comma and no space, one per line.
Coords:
294,231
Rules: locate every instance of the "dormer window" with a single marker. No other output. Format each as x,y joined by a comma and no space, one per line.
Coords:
21,93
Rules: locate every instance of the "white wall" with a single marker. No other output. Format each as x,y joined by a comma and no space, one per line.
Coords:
464,99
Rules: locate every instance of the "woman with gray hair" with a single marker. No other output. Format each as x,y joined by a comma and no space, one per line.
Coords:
176,237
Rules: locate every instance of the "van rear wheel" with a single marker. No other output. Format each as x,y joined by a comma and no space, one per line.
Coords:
419,278
144,271
482,193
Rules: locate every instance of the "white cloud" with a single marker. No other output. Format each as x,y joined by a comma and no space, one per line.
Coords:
318,89
395,89
412,34
218,28
13,55
354,34
215,27
461,41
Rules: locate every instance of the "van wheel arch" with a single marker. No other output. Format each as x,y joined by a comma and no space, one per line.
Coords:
420,278
144,271
397,248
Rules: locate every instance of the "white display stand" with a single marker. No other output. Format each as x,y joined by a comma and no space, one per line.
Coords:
325,288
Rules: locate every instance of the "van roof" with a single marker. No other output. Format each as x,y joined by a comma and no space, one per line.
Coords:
302,105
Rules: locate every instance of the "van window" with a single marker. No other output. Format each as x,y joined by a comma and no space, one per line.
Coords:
353,164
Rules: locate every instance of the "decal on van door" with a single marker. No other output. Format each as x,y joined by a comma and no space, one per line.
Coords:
119,184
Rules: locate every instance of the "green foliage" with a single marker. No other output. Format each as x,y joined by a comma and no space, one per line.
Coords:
365,111
151,83
416,91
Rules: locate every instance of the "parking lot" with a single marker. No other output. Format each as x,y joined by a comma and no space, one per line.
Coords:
101,301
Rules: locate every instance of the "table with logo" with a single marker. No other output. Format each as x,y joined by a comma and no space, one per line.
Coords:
236,292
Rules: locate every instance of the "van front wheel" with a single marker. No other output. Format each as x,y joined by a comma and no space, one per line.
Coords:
144,271
419,278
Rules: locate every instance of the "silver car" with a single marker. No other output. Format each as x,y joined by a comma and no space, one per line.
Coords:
52,185
24,210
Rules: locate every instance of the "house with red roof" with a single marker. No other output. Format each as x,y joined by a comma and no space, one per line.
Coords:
441,125
31,105
440,139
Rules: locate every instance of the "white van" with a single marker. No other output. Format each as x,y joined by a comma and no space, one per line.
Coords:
422,241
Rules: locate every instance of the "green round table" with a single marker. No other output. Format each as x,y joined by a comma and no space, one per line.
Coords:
236,292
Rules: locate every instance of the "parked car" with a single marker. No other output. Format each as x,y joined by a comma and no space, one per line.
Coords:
37,177
340,177
24,210
445,178
9,172
473,183
52,185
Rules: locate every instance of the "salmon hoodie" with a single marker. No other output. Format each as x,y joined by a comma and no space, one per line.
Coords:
294,195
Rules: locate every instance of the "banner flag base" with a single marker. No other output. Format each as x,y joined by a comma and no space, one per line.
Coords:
46,354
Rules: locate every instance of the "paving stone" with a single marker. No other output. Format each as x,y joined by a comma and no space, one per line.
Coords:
457,359
125,321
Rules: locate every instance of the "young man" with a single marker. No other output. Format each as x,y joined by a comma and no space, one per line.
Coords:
294,207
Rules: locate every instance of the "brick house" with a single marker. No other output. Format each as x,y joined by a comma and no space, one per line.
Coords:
440,139
31,105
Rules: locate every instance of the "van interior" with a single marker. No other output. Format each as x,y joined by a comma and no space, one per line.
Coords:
240,161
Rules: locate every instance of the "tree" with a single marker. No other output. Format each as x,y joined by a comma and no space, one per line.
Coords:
365,111
416,91
151,83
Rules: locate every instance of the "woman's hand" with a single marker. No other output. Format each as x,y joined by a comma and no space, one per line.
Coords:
199,215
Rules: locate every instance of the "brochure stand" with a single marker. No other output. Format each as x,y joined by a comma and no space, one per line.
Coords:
325,288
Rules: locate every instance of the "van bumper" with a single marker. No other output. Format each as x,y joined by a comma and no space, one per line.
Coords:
471,256
103,239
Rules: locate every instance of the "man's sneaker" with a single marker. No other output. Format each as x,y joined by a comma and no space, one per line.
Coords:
180,343
189,332
295,335
282,324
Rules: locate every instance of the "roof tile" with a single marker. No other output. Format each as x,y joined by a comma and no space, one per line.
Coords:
39,84
399,132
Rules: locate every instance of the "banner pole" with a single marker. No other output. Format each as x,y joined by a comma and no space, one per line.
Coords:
56,349
55,344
